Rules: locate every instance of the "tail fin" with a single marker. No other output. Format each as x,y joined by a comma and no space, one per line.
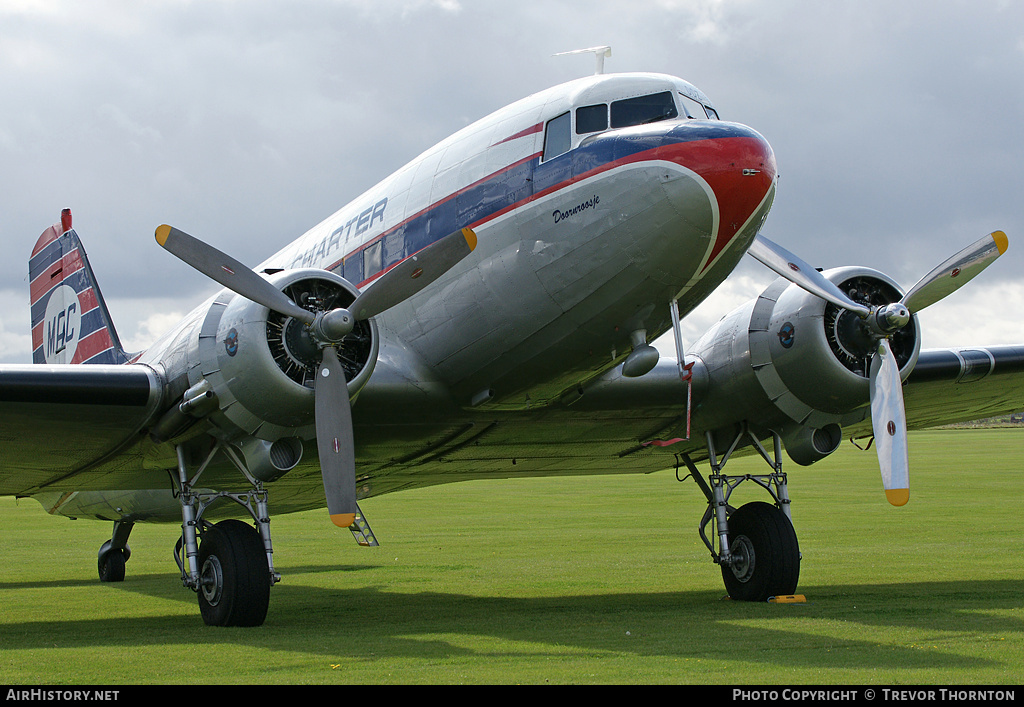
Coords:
70,322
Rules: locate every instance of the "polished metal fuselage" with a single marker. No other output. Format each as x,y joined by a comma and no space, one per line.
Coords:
576,252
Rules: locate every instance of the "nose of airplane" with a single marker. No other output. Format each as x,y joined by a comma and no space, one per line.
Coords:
747,184
738,165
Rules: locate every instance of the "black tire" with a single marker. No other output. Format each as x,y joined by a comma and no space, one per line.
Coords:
766,553
234,576
111,566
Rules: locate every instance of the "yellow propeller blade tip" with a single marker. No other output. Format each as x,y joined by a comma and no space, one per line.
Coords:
470,237
343,520
1002,242
897,497
162,232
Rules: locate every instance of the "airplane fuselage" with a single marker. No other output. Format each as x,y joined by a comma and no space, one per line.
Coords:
595,204
581,243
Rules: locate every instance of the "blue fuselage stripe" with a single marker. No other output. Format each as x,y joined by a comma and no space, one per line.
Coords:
514,185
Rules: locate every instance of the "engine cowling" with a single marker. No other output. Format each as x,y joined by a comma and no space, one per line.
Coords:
800,365
261,364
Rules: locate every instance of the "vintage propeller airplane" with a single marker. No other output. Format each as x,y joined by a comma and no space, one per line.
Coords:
486,312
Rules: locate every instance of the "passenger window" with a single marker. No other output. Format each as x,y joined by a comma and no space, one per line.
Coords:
643,109
557,139
353,268
371,259
591,119
394,247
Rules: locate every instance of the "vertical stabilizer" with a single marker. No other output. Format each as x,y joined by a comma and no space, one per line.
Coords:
70,322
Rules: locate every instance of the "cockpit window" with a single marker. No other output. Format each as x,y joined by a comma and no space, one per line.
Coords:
696,109
693,108
557,137
591,119
643,109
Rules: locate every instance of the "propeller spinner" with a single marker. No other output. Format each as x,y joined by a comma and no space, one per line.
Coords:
327,329
888,416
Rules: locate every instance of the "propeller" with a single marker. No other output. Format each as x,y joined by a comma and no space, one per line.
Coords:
888,416
328,329
334,439
224,269
889,423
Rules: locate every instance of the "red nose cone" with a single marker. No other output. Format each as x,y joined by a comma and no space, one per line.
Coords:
742,175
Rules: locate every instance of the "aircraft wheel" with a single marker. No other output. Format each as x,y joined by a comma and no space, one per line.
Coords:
234,579
766,556
112,566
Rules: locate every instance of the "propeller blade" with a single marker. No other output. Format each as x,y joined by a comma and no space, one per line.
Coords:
334,439
955,272
413,274
230,273
800,273
889,423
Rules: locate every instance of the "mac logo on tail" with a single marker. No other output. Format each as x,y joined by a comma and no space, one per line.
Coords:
62,325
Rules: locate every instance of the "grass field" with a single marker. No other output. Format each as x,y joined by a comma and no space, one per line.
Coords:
575,580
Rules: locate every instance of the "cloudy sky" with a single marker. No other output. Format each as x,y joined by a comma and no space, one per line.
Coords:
898,126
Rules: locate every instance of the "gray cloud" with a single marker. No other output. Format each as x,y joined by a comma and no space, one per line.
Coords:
897,127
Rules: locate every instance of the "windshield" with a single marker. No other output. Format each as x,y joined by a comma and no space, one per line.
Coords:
643,109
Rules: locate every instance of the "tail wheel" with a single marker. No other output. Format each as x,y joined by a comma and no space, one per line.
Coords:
766,556
112,566
234,576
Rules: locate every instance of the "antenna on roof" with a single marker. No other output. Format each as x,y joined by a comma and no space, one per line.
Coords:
599,53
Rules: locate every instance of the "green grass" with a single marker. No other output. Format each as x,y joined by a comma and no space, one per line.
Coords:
575,580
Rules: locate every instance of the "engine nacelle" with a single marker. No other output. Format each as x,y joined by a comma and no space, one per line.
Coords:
800,365
261,364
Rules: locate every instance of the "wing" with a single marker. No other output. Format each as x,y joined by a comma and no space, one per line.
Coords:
638,425
64,421
959,385
605,430
80,427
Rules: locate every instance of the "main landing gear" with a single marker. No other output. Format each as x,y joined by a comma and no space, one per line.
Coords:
233,569
756,543
230,564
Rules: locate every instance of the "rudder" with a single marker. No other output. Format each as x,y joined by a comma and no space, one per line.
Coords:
70,322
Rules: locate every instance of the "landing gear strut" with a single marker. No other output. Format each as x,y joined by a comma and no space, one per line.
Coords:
757,546
233,569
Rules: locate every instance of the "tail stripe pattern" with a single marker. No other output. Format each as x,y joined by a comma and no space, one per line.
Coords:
70,323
